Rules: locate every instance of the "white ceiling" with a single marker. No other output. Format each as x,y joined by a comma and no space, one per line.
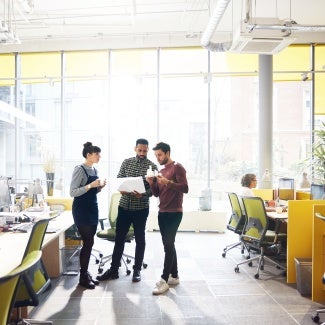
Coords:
97,24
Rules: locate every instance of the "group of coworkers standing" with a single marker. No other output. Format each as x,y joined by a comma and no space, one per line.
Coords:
170,185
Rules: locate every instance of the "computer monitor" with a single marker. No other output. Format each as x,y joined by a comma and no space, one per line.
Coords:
285,182
4,194
286,189
317,191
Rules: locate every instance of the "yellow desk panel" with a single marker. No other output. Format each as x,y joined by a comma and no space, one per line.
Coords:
318,266
300,233
300,195
264,193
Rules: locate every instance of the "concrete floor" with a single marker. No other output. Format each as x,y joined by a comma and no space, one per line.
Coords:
210,291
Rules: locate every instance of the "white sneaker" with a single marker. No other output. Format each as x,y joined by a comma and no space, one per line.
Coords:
161,287
173,281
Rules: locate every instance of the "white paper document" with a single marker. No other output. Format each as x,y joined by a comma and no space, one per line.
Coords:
131,184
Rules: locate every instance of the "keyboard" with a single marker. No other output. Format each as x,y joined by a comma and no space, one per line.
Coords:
23,227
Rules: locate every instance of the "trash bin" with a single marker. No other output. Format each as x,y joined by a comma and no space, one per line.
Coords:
304,275
205,200
70,260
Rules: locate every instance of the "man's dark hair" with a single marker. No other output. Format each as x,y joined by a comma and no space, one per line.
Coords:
142,141
164,147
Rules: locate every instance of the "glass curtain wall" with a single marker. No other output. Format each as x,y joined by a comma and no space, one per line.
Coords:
113,97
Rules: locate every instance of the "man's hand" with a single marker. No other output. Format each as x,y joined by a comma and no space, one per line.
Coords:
136,194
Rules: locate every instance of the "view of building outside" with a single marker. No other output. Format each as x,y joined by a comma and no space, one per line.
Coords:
209,118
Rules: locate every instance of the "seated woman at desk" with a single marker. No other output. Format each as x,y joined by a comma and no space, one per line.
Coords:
248,182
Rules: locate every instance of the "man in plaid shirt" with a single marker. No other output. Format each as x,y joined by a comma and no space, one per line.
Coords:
133,209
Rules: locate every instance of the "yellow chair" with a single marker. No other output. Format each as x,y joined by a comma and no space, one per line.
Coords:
110,234
36,280
236,222
9,284
256,235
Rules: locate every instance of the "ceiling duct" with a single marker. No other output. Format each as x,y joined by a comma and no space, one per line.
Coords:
211,27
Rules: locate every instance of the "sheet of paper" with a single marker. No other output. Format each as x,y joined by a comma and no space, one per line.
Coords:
131,184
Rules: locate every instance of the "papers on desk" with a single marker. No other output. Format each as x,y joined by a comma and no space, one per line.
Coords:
131,184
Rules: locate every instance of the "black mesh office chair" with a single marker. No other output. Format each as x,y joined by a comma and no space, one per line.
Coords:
236,223
73,234
256,235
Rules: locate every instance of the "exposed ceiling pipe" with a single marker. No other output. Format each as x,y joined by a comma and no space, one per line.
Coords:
211,27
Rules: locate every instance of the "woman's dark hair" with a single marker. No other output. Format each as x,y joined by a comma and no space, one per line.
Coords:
247,180
89,148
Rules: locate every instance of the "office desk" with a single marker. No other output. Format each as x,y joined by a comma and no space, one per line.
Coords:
278,216
13,244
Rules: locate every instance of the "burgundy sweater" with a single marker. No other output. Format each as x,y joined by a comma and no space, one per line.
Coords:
171,195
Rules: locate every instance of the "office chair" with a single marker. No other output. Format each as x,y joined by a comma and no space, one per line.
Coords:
256,235
9,285
236,223
36,280
315,316
73,234
110,234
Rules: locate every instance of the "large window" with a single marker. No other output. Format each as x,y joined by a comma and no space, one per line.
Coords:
205,106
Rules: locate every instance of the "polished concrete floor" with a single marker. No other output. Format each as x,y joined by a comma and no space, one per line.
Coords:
210,291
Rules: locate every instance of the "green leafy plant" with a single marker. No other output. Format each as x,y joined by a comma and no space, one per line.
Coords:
318,158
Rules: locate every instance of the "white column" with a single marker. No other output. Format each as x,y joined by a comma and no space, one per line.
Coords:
265,110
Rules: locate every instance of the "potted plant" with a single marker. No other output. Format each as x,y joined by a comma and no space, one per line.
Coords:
49,169
318,155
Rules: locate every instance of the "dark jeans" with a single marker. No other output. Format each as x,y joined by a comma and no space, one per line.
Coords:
87,234
124,220
168,225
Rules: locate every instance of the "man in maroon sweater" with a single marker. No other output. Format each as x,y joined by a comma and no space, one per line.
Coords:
169,186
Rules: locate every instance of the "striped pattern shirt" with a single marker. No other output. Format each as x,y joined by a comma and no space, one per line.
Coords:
135,167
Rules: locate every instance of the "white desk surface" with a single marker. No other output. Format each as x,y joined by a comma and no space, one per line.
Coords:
274,215
13,244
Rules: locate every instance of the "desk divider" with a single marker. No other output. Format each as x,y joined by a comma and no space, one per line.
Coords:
318,251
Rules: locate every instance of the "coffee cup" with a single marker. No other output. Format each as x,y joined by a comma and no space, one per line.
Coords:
278,210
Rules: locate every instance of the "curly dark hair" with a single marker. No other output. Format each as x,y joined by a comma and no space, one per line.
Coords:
247,179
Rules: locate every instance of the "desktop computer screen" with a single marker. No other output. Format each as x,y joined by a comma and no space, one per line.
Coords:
285,182
317,191
4,194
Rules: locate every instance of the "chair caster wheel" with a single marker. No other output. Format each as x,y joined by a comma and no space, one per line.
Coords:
237,269
128,272
262,267
250,264
145,265
223,254
101,255
128,261
100,270
97,261
315,318
256,276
